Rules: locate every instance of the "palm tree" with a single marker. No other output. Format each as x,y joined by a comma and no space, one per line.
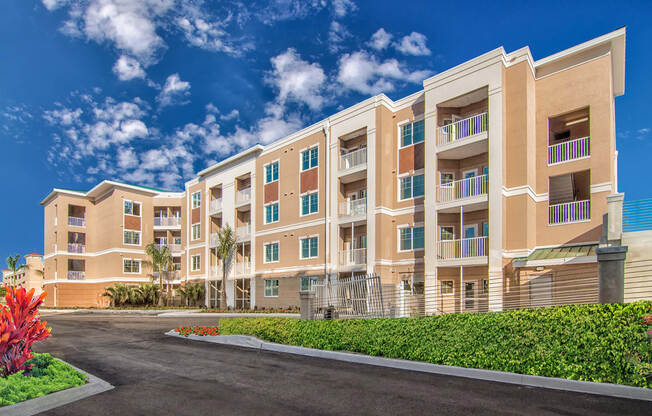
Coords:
224,251
12,263
119,294
161,261
149,293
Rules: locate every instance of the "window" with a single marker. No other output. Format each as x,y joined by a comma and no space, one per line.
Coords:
132,208
308,282
196,200
271,213
446,178
412,133
195,232
309,158
271,288
130,266
271,172
309,247
446,233
271,252
411,238
412,186
485,286
310,203
131,237
446,287
485,229
414,284
195,262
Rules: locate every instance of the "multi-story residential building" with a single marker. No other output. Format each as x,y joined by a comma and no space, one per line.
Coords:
451,193
30,277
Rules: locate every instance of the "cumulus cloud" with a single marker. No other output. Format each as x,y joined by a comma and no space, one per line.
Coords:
174,91
343,7
127,158
413,44
337,34
297,80
127,68
380,40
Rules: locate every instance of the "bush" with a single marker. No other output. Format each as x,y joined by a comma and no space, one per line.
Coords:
46,376
121,294
601,343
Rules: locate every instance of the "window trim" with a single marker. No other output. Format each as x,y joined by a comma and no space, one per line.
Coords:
308,149
311,288
452,227
265,288
192,200
278,252
192,264
140,204
138,261
192,227
419,172
411,228
308,194
308,237
452,293
445,172
278,171
140,240
415,119
278,212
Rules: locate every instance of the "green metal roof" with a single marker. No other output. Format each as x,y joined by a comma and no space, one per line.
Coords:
560,252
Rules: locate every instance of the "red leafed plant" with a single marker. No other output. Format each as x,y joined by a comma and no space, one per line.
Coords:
20,327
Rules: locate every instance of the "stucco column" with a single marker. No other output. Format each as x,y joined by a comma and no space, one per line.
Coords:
371,198
611,274
495,198
430,211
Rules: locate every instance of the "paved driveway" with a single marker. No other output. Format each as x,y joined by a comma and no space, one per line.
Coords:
159,375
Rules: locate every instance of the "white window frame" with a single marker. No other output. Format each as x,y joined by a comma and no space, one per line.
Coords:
400,125
192,263
192,200
312,280
133,261
279,212
441,182
265,288
133,203
411,227
411,176
475,230
131,244
192,231
278,170
308,194
452,293
308,149
278,250
308,237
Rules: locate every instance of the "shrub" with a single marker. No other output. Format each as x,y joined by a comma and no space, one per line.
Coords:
20,327
192,292
121,294
601,343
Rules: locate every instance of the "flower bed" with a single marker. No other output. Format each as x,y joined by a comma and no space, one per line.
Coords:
250,310
202,331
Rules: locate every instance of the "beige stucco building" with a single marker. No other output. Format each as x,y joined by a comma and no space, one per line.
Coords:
30,277
450,192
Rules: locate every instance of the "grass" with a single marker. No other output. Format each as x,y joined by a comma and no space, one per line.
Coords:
47,376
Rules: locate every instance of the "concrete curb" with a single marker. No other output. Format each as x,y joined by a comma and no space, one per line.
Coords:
603,389
37,405
121,311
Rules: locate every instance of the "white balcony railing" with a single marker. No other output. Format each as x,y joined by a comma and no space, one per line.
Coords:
243,196
570,150
357,256
463,188
460,249
462,129
73,275
213,240
569,212
243,232
77,221
353,208
353,159
242,268
76,248
173,248
215,206
167,221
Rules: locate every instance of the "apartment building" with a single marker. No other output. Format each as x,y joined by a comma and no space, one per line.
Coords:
457,194
29,277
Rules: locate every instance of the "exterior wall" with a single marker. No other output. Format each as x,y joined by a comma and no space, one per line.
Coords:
288,293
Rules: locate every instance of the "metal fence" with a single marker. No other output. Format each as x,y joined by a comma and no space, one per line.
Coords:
637,215
353,297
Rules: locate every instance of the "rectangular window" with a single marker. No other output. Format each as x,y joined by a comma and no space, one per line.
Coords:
310,203
271,252
195,232
446,287
309,247
131,237
446,178
271,172
446,233
196,200
406,238
412,186
412,133
132,208
195,262
130,266
485,286
271,288
271,213
411,238
309,158
308,282
485,229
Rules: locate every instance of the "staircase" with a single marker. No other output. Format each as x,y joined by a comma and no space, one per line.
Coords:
562,189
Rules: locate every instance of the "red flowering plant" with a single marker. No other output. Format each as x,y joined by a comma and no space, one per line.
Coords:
202,331
20,327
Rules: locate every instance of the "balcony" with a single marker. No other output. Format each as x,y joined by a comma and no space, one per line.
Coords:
569,212
243,197
76,248
76,275
173,248
354,257
353,209
463,191
167,222
353,165
470,131
243,232
242,268
215,206
568,151
213,240
462,252
167,275
77,221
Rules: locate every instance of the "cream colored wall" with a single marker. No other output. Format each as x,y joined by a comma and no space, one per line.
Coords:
289,246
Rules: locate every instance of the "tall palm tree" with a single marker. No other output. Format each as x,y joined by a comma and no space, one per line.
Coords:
12,263
224,251
161,261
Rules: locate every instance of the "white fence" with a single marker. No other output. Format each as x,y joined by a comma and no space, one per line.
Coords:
570,150
353,159
463,188
355,297
241,268
243,232
215,206
167,221
464,248
77,221
353,207
461,129
243,196
75,275
76,248
569,212
353,257
213,240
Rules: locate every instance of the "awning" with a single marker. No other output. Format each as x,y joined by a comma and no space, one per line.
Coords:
553,256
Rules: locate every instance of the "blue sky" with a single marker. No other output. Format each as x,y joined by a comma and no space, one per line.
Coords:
152,91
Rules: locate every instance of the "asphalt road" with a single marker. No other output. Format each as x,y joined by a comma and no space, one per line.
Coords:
154,374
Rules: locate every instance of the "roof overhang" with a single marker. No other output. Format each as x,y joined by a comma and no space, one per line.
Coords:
254,149
104,187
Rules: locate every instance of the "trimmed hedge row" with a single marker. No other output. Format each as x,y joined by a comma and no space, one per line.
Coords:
601,343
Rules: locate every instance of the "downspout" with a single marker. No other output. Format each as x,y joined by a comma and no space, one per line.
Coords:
327,134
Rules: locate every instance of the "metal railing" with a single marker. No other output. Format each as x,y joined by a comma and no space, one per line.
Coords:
569,212
215,206
462,129
356,256
570,150
75,275
167,221
353,159
463,188
167,275
241,268
76,248
355,297
77,221
637,215
463,248
243,232
243,196
353,207
213,239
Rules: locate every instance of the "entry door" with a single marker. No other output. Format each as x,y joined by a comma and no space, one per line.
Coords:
469,186
541,291
470,247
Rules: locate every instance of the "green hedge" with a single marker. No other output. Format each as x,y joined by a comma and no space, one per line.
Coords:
47,376
602,343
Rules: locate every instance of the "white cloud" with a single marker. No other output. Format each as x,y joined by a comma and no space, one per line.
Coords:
337,34
342,7
279,10
154,159
380,40
297,80
127,68
63,116
127,158
174,91
413,44
54,4
233,114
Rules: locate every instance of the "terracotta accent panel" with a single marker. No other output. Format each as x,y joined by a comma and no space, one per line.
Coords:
309,180
271,192
195,215
419,155
132,223
405,159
